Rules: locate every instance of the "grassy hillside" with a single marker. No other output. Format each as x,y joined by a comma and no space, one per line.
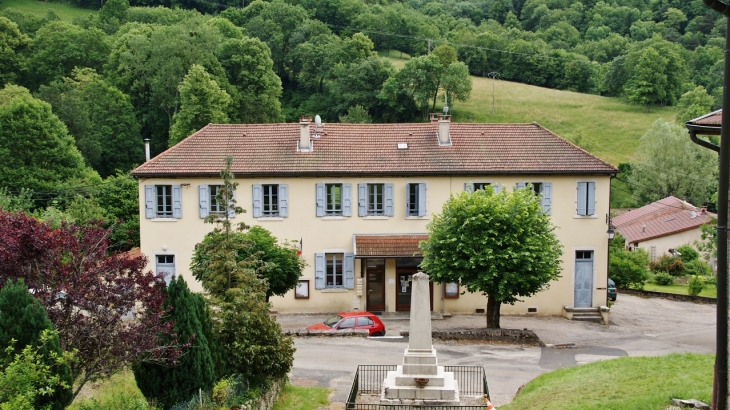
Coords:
66,12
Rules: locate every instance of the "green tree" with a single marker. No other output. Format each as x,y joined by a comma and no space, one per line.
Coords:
22,323
707,245
628,269
502,245
668,163
201,102
36,151
119,198
359,84
31,375
694,104
456,83
100,117
13,44
169,385
418,79
356,115
648,82
251,339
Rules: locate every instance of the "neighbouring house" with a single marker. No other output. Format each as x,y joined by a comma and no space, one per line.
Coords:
662,226
358,197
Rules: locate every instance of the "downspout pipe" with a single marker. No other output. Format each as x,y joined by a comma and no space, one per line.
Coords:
698,129
720,398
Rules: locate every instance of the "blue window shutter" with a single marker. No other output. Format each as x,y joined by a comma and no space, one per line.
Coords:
320,202
362,199
350,270
421,199
319,270
231,210
149,201
176,201
203,200
256,196
283,201
547,198
520,185
468,187
495,187
346,199
408,199
582,194
591,198
388,198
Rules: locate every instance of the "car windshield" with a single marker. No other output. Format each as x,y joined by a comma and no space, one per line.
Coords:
332,321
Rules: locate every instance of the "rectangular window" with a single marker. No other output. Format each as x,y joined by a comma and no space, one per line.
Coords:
481,185
215,206
164,201
270,200
416,199
166,266
536,187
333,202
586,200
335,271
375,199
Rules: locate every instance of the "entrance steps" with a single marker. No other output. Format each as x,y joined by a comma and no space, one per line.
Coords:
587,314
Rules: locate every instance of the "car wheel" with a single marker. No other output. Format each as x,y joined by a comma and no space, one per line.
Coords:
377,334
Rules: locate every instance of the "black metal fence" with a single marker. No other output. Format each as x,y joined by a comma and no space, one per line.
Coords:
472,381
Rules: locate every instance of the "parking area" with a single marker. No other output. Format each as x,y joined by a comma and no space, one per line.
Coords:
638,327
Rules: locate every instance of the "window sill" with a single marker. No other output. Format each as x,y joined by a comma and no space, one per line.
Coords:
163,219
270,218
334,290
594,216
334,218
417,217
376,217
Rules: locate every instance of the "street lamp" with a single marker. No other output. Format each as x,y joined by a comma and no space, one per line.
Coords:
611,232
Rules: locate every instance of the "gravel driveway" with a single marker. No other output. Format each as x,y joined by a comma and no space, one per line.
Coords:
638,327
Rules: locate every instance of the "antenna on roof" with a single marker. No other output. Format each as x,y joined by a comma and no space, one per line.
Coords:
317,126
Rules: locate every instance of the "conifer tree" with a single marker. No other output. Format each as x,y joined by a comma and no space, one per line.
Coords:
23,320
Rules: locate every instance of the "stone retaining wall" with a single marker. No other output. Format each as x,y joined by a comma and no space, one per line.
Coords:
670,296
511,336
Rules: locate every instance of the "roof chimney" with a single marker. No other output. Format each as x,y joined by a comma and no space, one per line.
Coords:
305,144
147,149
444,137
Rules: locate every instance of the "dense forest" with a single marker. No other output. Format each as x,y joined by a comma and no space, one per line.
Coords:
78,98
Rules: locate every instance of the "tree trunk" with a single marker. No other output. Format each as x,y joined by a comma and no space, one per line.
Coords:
493,313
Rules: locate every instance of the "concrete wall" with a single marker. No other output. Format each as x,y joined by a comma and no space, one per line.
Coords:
335,234
664,243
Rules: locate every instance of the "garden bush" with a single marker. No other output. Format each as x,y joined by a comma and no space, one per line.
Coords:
669,264
695,286
628,269
687,253
698,267
663,279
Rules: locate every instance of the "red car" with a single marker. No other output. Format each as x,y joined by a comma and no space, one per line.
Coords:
352,320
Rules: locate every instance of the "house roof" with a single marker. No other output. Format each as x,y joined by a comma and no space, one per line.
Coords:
401,245
358,149
661,218
712,119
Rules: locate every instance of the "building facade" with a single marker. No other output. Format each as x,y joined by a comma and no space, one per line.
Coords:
358,199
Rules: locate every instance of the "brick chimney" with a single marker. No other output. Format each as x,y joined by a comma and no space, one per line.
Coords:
305,144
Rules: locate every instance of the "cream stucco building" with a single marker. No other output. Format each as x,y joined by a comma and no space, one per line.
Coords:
359,198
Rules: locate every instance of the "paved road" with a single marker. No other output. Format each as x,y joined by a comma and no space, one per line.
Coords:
638,327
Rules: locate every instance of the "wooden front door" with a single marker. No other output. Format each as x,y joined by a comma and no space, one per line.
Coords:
375,269
403,289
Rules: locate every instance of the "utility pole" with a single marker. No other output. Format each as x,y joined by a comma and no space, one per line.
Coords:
720,387
493,75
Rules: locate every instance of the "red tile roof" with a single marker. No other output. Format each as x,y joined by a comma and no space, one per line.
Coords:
341,149
404,245
661,218
713,118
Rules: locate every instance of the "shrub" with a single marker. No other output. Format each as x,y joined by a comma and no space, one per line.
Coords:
696,284
663,279
687,253
710,280
698,267
628,269
668,264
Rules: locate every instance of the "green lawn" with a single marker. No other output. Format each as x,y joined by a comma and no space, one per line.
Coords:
302,398
626,383
709,291
66,12
119,392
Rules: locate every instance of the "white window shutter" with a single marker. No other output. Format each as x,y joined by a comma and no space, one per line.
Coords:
283,201
495,187
547,198
468,187
362,199
203,199
320,194
388,199
349,271
346,199
582,194
422,199
319,270
256,196
149,201
520,185
408,199
176,201
591,198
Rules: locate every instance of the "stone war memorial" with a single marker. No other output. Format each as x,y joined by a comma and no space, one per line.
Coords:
419,383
